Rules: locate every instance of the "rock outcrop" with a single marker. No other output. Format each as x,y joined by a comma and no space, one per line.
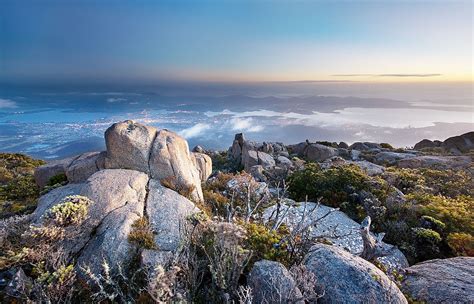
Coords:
456,145
426,143
167,212
441,281
334,226
436,162
272,283
84,166
203,164
55,167
319,153
459,144
170,157
159,153
365,146
123,185
129,146
346,278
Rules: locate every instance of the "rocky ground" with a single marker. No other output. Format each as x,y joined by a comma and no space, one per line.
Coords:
148,220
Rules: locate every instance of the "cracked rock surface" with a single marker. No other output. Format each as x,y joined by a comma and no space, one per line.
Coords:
334,226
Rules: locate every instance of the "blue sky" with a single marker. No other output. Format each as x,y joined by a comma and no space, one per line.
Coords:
134,41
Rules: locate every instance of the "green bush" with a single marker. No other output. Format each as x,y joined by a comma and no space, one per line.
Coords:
333,185
426,243
72,210
18,190
386,146
57,179
266,244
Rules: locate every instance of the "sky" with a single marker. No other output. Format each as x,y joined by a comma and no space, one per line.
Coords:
241,41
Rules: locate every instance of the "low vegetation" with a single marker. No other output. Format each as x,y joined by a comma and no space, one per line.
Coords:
433,220
18,190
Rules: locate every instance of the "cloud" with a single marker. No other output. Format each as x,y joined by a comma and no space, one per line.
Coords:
113,99
387,75
7,103
195,131
244,125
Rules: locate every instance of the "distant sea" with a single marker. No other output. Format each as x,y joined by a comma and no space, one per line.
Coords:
50,122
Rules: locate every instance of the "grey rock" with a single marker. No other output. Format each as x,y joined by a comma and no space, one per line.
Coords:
257,173
299,149
271,283
129,145
84,166
441,281
391,158
203,164
150,259
459,144
45,172
249,159
319,153
365,146
266,160
283,161
198,149
334,226
346,278
355,154
370,168
119,200
436,162
426,143
170,157
19,284
343,145
167,212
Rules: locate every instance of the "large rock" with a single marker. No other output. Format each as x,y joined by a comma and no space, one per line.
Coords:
167,212
370,168
45,172
252,158
203,164
170,157
334,226
117,199
299,148
390,158
346,278
441,281
459,144
365,146
426,143
81,168
265,159
319,153
129,145
436,162
272,283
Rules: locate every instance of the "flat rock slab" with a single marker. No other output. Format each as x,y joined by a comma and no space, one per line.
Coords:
336,227
441,281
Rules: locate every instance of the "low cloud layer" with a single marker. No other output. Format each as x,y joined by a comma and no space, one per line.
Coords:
195,131
7,104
